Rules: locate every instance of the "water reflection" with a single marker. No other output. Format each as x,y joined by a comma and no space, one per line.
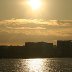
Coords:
35,65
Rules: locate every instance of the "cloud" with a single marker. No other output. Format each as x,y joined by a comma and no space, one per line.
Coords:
21,30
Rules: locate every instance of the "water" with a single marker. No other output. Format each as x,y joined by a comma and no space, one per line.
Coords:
36,65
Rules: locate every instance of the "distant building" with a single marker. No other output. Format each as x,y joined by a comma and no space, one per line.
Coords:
39,45
46,45
64,44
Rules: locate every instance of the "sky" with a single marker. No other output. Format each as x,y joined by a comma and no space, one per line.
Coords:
19,23
50,9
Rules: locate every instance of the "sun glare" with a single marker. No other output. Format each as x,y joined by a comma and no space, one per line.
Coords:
35,4
35,64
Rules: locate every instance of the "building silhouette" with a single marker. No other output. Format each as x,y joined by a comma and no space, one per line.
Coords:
38,45
38,50
64,44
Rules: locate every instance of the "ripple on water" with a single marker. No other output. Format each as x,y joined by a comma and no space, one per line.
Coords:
36,65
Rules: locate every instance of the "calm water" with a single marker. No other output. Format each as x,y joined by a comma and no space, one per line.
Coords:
36,65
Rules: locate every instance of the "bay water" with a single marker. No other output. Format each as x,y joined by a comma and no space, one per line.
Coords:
36,65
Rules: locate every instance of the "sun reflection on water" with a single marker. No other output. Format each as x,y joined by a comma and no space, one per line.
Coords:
35,65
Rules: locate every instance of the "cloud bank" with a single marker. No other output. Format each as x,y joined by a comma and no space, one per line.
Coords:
18,31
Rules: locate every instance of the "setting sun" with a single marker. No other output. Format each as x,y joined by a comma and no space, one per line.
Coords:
35,4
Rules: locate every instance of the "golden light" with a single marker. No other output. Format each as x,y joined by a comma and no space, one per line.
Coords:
35,4
35,65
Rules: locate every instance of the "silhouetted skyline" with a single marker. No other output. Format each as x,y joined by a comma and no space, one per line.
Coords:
38,50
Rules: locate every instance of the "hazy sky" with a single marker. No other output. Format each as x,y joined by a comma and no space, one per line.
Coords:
50,9
19,23
18,31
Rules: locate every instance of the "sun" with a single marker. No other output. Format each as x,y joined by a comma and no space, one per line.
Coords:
35,4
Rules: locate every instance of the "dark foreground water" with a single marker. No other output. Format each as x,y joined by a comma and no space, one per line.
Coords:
36,65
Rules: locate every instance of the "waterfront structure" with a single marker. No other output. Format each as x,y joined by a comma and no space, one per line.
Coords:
64,44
